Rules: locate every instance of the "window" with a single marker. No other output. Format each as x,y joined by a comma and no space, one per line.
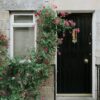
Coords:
23,18
22,34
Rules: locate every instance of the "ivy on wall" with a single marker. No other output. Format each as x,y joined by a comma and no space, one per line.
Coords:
22,79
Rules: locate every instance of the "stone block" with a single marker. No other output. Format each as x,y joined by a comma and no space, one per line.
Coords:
47,90
5,32
4,20
47,93
4,25
4,15
20,4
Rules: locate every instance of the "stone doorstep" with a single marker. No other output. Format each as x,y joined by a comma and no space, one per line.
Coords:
74,98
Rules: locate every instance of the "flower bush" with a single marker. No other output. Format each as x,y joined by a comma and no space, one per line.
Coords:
3,40
22,79
3,49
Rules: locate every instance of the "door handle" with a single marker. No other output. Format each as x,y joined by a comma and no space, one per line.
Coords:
86,60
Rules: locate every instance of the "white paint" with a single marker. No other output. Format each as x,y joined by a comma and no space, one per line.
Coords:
76,4
35,35
12,25
98,36
94,77
11,37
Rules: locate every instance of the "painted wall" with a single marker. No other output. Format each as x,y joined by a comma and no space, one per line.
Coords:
77,4
62,4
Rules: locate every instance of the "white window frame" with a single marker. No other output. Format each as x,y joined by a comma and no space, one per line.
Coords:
12,25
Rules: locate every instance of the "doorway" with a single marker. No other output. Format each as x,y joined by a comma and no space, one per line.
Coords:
74,64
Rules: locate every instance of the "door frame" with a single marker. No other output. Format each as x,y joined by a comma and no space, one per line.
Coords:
94,77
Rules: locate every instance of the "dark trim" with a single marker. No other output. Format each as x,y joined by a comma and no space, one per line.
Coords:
54,67
98,81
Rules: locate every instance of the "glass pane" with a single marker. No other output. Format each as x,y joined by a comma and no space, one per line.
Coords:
23,18
23,40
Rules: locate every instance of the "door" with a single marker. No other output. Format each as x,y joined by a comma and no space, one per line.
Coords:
74,63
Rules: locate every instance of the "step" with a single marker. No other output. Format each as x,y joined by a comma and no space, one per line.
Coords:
74,98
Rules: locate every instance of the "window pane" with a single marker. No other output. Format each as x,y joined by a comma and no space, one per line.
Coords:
23,19
23,40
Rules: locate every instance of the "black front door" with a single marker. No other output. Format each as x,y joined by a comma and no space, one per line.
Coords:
74,64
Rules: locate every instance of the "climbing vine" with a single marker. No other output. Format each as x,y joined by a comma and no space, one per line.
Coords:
22,79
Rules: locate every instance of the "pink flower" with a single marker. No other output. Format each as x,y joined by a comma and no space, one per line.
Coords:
43,7
77,30
57,21
60,40
46,49
42,98
59,53
54,6
38,13
1,78
33,26
64,35
71,23
66,23
3,40
62,14
46,61
67,13
47,14
39,21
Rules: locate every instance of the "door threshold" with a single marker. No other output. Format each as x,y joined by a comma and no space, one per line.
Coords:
74,95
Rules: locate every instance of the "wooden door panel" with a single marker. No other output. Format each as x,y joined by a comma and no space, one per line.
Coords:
74,73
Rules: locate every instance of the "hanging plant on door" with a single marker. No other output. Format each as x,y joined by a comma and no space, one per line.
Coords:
22,81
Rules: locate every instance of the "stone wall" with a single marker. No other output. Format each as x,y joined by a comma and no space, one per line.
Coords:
47,91
4,22
6,7
20,4
97,52
82,5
